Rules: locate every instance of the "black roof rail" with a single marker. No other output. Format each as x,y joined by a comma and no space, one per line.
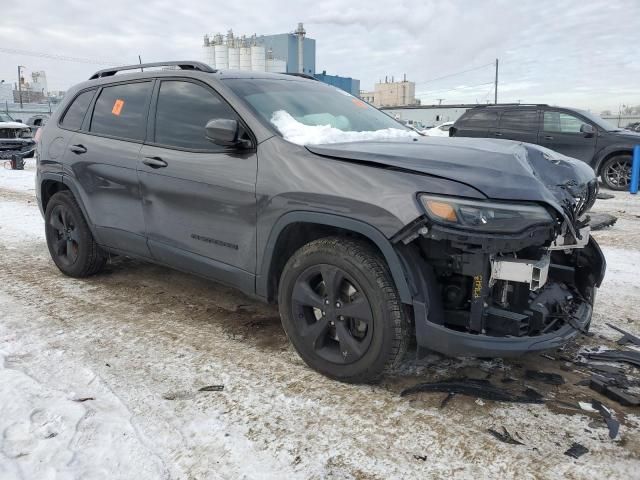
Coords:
301,75
183,65
488,105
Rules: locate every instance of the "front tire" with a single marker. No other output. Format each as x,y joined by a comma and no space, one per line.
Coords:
341,311
71,244
616,172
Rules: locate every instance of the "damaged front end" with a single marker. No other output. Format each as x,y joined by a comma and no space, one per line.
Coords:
501,279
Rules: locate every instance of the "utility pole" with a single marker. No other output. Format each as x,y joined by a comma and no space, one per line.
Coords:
20,85
140,60
496,86
440,100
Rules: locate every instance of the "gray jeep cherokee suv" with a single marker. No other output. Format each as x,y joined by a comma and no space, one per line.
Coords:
475,246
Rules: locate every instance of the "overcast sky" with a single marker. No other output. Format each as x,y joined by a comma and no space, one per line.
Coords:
574,53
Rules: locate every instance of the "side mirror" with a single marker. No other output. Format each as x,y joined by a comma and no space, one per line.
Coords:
19,120
587,129
222,131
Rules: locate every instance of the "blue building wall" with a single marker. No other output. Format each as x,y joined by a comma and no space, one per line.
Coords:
348,84
285,47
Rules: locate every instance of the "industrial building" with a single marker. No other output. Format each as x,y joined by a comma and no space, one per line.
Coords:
292,52
6,93
348,84
282,53
391,93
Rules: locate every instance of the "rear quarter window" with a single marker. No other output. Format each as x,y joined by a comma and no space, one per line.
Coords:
524,120
74,115
121,111
481,119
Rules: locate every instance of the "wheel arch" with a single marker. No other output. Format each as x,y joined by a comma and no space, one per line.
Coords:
295,229
51,184
610,153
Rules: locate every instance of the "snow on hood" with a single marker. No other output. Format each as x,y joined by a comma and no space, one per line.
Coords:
297,132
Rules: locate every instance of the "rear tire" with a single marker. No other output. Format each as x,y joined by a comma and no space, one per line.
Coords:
71,244
616,172
341,311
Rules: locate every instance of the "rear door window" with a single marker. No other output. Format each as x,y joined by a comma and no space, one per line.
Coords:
77,110
121,111
561,122
182,113
522,120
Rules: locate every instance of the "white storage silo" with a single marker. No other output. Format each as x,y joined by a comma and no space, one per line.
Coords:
209,56
222,56
258,58
234,58
275,65
245,58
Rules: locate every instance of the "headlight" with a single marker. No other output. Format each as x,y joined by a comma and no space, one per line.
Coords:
484,216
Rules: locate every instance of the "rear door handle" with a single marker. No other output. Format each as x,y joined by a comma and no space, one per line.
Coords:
154,162
78,149
548,137
498,134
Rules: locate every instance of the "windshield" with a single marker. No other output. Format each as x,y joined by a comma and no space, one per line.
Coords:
308,112
4,117
602,123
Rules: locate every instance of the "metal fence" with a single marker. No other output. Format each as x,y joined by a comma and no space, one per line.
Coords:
622,120
28,109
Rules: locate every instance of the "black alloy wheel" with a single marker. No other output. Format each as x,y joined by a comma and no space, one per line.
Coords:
69,238
616,172
341,310
333,313
66,243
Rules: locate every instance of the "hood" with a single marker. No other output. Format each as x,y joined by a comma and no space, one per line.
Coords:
13,125
500,169
626,135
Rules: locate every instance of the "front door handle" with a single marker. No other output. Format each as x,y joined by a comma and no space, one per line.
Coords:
498,134
548,137
78,149
154,162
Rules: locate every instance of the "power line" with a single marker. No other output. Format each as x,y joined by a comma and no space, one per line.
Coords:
431,92
64,58
454,74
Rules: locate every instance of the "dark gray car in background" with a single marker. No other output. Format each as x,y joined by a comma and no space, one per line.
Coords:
473,246
573,132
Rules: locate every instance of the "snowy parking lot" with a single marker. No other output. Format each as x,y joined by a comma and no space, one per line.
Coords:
107,378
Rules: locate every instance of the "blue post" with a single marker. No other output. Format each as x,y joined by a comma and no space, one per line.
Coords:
635,170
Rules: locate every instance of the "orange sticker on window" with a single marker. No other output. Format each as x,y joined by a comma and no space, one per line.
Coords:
117,106
359,103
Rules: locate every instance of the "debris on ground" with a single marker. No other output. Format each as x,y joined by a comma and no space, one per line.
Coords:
82,399
626,336
628,356
587,407
212,388
605,387
447,399
479,388
504,437
544,377
576,450
599,221
612,423
605,196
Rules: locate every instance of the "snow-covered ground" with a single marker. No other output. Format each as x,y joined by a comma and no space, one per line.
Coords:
100,378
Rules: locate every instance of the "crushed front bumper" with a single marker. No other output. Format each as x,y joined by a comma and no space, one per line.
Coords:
544,303
454,343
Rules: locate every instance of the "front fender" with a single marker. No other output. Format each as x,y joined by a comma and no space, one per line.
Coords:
346,223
